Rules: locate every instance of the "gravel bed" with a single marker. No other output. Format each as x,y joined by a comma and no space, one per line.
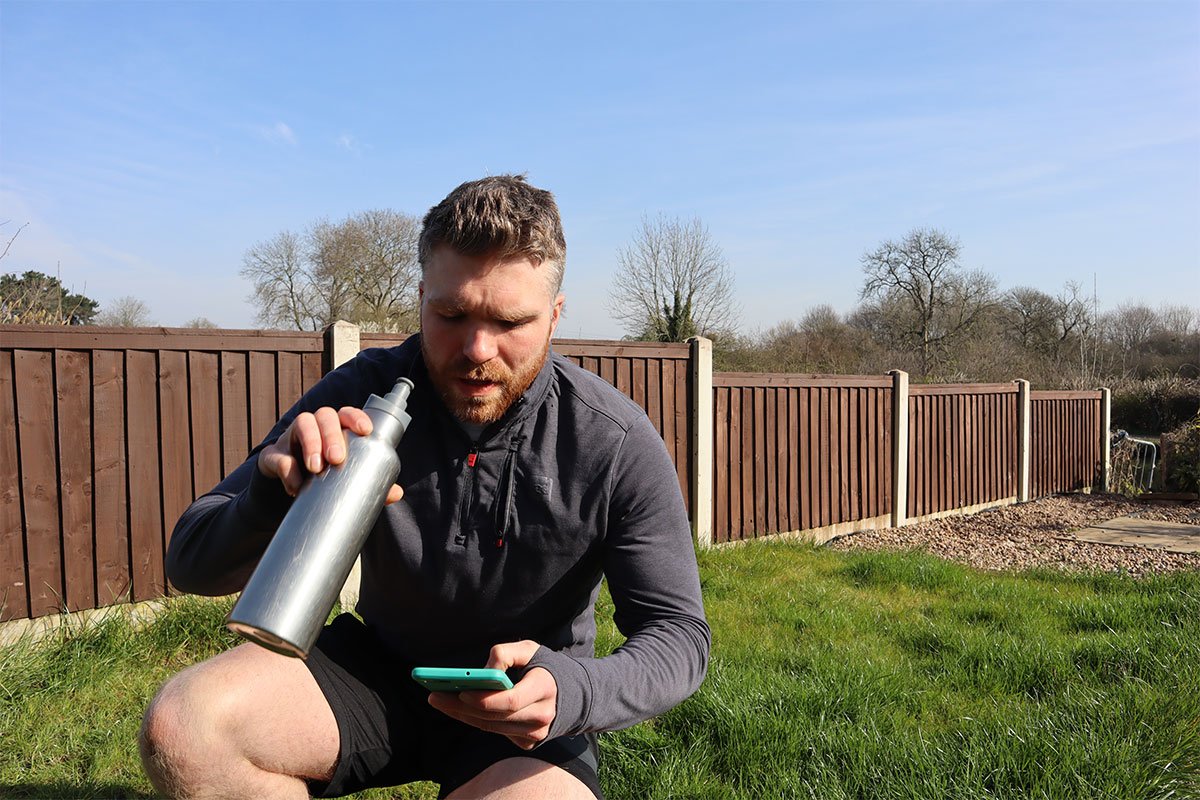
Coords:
1038,534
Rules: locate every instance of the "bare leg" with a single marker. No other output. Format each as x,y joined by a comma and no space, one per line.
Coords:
247,723
522,779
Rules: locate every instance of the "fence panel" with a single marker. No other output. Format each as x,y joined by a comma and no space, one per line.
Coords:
1066,441
107,434
798,452
962,446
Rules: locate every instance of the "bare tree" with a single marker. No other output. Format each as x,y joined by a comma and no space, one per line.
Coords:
199,322
285,290
929,300
673,282
363,269
372,257
125,312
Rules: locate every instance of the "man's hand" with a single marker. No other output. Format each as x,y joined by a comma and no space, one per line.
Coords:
310,443
522,714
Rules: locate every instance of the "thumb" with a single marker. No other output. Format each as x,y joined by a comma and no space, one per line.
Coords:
511,654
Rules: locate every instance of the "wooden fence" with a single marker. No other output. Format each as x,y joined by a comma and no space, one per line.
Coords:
826,455
962,446
799,452
107,434
1069,441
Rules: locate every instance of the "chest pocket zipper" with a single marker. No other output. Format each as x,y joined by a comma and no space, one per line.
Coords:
468,495
505,492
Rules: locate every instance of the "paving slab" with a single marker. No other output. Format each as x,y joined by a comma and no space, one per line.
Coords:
1133,532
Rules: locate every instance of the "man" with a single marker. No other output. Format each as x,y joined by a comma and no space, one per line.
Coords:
525,479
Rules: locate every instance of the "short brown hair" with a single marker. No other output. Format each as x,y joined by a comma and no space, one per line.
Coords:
500,215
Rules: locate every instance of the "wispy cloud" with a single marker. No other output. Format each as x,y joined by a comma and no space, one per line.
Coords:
348,143
279,133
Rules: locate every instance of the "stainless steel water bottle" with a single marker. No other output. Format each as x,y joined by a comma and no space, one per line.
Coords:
289,596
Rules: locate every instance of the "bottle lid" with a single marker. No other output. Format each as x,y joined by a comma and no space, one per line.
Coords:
395,402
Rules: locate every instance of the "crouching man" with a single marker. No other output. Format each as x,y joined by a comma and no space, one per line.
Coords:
526,479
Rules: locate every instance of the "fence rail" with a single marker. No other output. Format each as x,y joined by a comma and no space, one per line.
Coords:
107,434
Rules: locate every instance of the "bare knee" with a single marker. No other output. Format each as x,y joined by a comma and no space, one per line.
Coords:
180,734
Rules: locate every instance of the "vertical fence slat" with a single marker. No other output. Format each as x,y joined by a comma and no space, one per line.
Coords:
721,464
39,479
683,430
263,408
74,400
290,381
176,439
235,404
804,447
145,491
793,455
759,446
14,582
855,443
113,581
310,370
770,454
825,466
654,391
204,400
737,481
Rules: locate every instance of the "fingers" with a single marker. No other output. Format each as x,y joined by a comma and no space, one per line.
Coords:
525,726
394,494
511,654
311,442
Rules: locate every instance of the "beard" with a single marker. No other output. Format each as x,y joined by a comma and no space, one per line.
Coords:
509,384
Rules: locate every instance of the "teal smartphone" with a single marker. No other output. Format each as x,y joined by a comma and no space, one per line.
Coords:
454,679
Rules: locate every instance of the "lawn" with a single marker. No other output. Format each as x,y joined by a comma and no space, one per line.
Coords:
833,675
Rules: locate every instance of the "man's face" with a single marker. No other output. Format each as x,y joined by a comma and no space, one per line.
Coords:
485,330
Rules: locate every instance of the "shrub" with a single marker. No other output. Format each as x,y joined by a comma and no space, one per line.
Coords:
1155,405
1181,457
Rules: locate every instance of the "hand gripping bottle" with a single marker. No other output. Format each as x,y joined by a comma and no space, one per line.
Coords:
289,596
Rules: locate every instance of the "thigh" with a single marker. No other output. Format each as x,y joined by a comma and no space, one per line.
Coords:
265,706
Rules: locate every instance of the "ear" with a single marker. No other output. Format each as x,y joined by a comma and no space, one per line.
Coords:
556,313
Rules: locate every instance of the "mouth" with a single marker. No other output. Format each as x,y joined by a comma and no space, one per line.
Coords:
476,388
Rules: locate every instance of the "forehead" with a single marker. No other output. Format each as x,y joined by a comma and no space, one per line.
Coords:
453,278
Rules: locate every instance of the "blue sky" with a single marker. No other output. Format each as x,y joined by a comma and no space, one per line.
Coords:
148,145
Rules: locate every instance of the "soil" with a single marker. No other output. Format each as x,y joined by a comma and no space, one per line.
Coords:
1038,534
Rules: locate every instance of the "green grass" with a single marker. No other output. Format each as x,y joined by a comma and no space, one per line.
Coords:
833,676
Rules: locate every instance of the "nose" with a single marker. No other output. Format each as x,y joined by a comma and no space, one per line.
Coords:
480,346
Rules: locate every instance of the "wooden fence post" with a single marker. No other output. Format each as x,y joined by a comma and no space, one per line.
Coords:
341,345
899,447
1024,439
1105,438
700,361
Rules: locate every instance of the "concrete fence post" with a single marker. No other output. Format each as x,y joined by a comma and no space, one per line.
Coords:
1105,438
899,447
1024,439
700,358
341,345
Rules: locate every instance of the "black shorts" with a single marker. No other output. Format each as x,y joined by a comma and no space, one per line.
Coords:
390,735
